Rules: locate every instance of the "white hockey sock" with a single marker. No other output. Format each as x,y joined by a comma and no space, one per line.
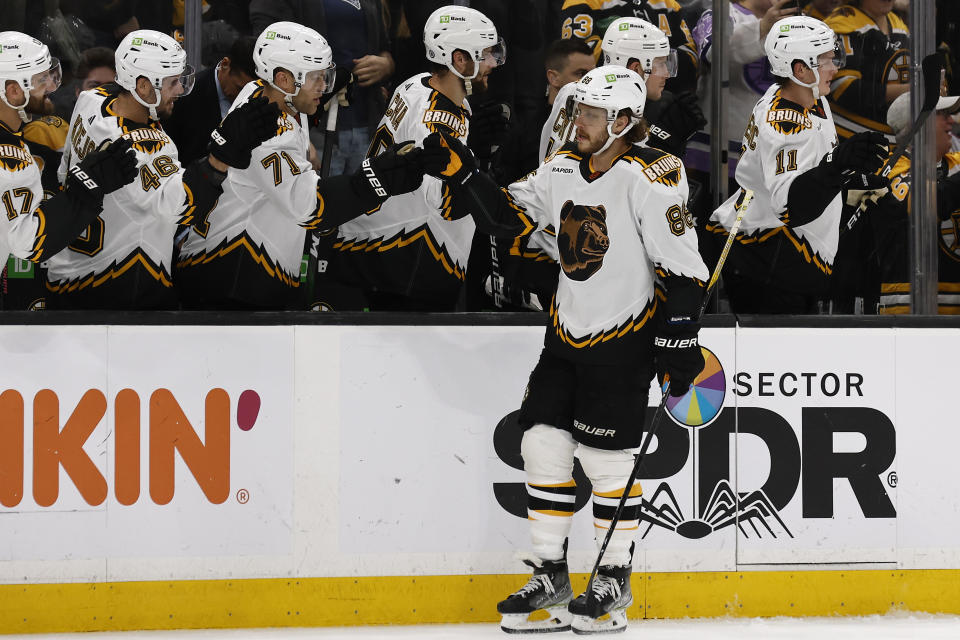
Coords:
551,491
608,472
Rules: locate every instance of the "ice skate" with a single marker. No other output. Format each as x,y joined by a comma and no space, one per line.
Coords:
540,606
603,608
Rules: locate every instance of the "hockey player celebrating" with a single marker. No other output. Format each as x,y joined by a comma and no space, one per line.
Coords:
631,282
641,47
123,260
790,230
36,228
413,254
246,253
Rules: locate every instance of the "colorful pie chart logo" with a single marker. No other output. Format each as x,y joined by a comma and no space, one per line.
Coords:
701,405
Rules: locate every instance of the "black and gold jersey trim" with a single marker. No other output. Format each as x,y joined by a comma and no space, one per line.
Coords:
115,270
405,239
256,252
632,324
760,236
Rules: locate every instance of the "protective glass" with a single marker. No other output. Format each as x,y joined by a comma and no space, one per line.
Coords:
839,55
320,80
48,80
665,66
185,80
498,52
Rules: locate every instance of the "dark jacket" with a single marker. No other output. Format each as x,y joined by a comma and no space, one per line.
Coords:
194,117
310,13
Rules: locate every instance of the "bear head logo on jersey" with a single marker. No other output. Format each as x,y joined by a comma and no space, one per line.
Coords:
583,239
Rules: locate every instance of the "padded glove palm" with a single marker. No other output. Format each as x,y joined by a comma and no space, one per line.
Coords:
460,164
243,130
863,152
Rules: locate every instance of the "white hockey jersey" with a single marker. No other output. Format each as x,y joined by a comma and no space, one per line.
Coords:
617,232
139,220
265,209
414,244
782,141
21,192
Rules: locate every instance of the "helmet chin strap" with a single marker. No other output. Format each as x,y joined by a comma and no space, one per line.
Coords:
611,136
467,82
814,86
152,107
22,109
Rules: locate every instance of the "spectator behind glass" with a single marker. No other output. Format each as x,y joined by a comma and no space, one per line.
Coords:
96,67
820,9
566,61
890,220
750,21
198,113
877,70
356,31
589,19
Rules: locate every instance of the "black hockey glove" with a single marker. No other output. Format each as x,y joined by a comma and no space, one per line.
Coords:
397,170
489,128
676,345
460,166
243,130
678,356
863,152
112,166
345,82
679,116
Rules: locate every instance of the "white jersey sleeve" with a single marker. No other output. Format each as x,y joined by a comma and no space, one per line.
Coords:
280,170
558,127
21,192
666,225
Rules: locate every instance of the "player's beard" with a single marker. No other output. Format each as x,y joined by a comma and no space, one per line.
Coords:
165,110
40,105
593,143
479,86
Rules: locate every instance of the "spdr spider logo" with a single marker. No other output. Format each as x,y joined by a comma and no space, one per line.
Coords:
690,458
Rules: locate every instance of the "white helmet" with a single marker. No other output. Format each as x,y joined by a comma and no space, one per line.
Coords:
154,56
26,61
633,38
801,38
612,88
297,49
453,27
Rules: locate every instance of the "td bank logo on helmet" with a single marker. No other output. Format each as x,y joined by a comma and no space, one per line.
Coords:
167,434
448,19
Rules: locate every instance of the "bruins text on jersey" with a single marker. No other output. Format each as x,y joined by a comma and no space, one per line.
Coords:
789,234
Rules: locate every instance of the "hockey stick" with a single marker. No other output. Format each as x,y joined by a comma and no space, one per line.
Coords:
313,238
931,67
741,207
